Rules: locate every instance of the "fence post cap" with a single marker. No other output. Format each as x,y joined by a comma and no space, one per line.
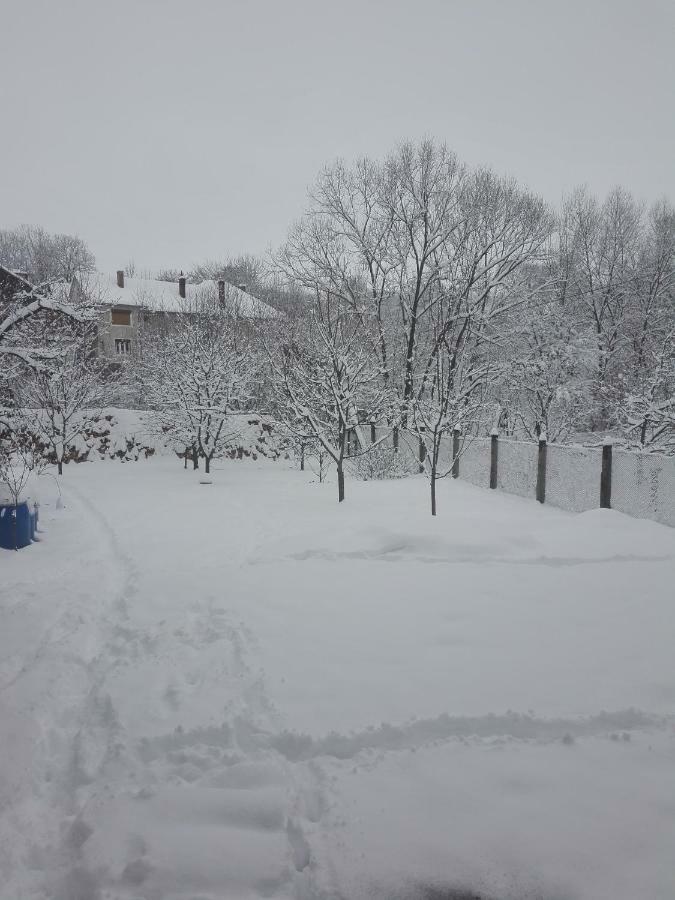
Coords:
543,438
494,432
608,441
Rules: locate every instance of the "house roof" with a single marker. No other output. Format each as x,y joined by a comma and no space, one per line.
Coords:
163,296
242,302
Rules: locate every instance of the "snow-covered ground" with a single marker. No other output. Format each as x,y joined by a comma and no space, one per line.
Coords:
241,689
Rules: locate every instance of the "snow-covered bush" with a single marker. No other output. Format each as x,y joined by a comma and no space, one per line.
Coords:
380,463
127,435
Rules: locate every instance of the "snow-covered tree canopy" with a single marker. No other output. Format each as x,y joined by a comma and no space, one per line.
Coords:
37,327
44,256
575,307
397,237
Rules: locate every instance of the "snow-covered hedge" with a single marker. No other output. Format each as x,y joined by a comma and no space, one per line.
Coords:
129,435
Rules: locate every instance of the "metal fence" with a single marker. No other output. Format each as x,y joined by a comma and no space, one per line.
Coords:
575,478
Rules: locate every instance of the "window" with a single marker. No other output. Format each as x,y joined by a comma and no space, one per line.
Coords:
121,317
122,346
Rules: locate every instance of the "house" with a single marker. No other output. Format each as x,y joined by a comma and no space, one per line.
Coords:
127,305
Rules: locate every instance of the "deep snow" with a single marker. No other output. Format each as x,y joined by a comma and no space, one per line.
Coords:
241,689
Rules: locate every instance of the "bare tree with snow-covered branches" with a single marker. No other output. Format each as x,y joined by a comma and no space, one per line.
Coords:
328,378
196,373
58,399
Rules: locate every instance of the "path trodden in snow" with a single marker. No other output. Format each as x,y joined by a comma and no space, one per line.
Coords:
242,690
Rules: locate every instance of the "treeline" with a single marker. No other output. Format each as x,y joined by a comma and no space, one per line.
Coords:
416,292
43,256
492,308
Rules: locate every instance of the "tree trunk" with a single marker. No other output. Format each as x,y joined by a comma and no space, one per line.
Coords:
408,379
341,483
59,466
185,457
207,464
434,469
195,458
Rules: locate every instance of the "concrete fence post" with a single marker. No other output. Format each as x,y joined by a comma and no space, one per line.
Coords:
422,453
373,433
541,470
302,456
494,459
455,452
606,478
396,438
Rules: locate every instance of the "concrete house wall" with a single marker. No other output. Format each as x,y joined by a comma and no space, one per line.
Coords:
109,333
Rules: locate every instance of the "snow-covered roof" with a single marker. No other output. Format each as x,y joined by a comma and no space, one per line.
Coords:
244,303
163,296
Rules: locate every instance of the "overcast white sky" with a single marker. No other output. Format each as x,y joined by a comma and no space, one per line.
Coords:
173,131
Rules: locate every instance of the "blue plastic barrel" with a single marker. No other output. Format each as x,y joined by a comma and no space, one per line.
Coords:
15,526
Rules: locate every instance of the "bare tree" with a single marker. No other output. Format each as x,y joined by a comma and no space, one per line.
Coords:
603,245
652,313
60,396
646,413
395,237
547,372
18,459
44,256
453,395
197,372
372,236
328,378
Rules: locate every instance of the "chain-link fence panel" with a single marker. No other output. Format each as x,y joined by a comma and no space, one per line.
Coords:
474,461
409,448
643,485
573,477
517,468
444,464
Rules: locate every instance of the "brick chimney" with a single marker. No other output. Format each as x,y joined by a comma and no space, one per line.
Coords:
221,292
120,278
181,286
